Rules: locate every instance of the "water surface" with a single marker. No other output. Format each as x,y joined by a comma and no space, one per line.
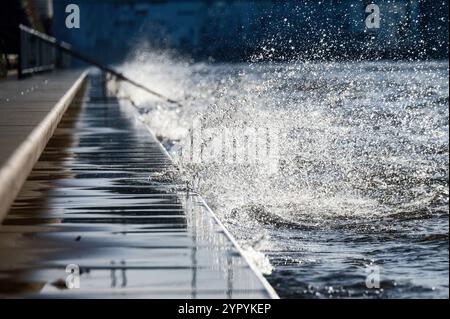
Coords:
362,171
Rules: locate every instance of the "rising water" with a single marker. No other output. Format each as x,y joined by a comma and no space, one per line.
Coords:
361,176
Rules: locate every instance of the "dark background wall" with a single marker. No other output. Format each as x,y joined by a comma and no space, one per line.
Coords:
239,29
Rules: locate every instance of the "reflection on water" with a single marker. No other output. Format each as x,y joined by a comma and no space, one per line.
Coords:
122,268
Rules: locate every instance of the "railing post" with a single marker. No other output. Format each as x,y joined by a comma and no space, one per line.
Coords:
37,54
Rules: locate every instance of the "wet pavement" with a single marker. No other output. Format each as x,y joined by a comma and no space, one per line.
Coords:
30,110
93,215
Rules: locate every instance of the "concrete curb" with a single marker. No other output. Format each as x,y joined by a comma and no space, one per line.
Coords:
17,168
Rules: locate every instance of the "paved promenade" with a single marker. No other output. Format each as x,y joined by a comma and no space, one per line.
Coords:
30,110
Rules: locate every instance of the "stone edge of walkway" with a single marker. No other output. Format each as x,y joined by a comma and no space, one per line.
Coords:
272,294
269,289
16,169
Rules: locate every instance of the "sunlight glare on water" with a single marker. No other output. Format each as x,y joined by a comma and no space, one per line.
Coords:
362,166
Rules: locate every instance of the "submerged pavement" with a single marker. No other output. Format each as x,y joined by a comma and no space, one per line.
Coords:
93,221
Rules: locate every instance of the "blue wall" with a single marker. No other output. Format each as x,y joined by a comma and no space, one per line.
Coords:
236,29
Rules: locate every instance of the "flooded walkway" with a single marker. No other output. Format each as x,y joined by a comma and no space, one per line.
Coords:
90,214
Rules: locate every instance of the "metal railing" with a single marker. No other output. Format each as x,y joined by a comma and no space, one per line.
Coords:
38,53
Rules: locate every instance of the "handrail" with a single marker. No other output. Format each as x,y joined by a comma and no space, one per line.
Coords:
37,54
64,47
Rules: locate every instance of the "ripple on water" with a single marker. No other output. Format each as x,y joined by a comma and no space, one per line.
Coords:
362,172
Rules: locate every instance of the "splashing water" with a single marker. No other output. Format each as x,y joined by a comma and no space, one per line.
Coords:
361,173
